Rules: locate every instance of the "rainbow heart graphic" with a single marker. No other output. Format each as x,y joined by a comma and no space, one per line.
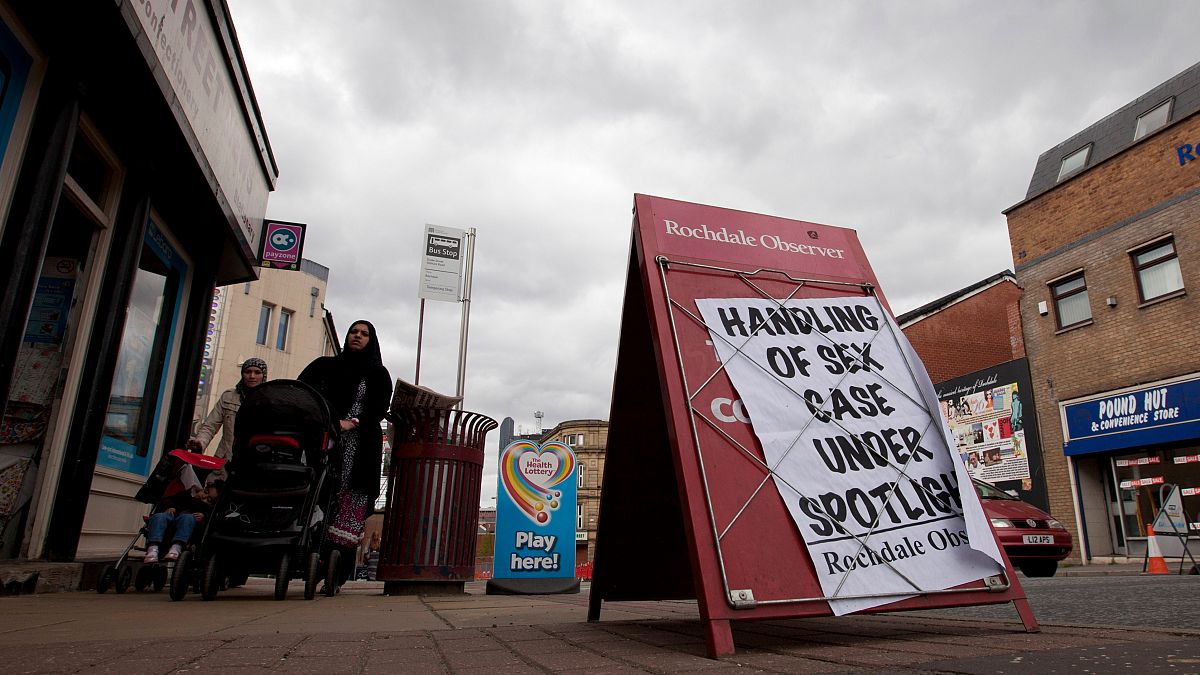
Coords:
530,472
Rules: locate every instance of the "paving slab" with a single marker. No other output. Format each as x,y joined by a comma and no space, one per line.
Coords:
362,631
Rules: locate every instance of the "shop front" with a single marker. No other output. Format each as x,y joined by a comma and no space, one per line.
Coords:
1127,447
134,179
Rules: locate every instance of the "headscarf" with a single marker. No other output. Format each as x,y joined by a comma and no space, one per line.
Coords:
368,355
252,362
352,367
255,362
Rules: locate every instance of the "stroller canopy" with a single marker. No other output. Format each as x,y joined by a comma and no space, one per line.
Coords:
284,407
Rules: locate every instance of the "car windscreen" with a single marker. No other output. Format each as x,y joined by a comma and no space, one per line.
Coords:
987,491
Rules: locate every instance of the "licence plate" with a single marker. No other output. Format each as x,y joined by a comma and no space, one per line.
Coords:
1038,539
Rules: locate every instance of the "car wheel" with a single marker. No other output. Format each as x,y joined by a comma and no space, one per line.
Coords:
1039,568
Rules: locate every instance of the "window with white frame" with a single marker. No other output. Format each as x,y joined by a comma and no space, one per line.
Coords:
579,518
1074,161
573,439
284,329
264,323
580,475
1153,120
1157,267
1071,306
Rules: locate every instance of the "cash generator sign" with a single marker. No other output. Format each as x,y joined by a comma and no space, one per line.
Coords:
738,237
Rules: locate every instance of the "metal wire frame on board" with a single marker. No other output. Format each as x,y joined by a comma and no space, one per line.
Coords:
744,598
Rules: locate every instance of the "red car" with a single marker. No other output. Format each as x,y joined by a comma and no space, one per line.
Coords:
1033,540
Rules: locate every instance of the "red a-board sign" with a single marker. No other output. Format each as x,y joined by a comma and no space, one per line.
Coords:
697,502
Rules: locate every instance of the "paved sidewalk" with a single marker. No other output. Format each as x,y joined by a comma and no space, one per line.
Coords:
362,631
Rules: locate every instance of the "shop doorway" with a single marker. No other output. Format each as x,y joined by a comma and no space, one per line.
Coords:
44,382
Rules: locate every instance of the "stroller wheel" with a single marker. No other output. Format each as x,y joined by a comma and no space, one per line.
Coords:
143,577
312,576
181,575
124,578
210,583
159,579
283,576
107,577
332,573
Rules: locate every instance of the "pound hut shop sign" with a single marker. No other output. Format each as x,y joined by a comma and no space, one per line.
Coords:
535,520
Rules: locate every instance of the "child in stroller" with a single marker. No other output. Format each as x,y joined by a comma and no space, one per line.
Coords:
176,475
183,510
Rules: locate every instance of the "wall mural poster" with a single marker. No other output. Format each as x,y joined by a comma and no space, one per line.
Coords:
535,512
989,417
848,419
988,433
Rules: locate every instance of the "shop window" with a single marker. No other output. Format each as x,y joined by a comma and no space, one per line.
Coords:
1140,478
154,303
264,323
1074,161
93,176
1071,307
1153,120
284,330
1157,268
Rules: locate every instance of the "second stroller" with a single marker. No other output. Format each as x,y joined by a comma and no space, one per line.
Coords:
270,517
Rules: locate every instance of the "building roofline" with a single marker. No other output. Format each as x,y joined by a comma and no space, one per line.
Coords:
930,308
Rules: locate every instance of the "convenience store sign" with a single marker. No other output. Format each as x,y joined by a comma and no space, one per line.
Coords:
1136,417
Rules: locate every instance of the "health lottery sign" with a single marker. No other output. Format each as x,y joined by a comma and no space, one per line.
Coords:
535,512
282,245
848,419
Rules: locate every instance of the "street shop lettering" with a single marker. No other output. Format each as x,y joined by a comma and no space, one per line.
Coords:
1123,411
544,559
849,330
740,238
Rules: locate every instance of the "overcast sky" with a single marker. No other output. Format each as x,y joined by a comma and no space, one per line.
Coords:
535,122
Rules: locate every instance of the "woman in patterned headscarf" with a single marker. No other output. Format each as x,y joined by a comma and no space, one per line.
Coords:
359,390
254,373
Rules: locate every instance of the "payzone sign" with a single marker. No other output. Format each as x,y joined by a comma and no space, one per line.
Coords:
535,512
282,245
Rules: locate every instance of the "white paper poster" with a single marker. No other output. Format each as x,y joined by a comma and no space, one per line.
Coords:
849,420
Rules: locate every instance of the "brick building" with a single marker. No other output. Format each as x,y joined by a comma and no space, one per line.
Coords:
971,344
1107,245
985,315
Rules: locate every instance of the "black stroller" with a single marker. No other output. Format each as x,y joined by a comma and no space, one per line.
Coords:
271,515
177,471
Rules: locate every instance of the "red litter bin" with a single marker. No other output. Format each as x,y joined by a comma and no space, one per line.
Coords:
432,516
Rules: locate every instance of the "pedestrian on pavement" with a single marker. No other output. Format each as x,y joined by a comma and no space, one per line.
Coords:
223,414
359,389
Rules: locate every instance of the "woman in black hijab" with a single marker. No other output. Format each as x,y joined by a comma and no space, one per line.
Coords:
359,390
